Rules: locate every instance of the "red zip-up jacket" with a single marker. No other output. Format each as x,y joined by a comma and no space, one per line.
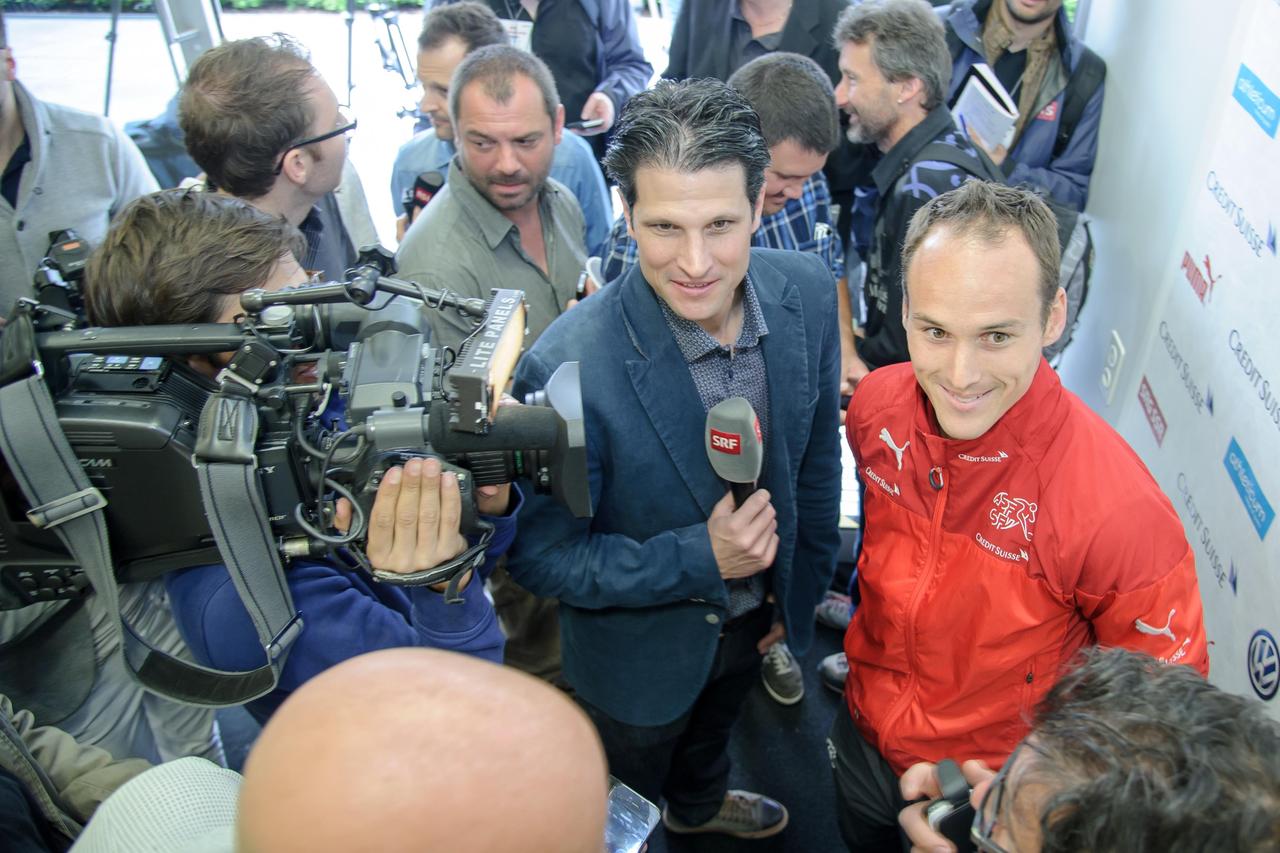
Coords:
986,564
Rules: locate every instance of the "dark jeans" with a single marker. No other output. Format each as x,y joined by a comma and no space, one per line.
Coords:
531,625
687,760
867,795
23,829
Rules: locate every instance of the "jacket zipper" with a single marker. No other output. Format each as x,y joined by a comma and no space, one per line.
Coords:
913,608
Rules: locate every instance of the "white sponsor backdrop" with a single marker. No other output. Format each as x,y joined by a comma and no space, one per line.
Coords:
1200,397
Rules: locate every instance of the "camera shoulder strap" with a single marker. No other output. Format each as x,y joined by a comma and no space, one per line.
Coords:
237,513
63,500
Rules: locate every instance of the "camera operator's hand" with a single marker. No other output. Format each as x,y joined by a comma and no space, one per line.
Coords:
414,521
744,540
921,781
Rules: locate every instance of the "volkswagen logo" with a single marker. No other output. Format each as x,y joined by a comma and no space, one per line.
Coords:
1264,664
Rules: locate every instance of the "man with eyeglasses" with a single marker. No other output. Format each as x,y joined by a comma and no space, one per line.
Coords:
1125,754
265,127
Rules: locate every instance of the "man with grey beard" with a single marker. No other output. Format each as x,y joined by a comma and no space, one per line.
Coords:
894,75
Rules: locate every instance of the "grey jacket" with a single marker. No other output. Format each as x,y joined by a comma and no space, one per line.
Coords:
67,780
82,171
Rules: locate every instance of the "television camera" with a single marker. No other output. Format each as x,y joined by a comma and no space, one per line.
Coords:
327,387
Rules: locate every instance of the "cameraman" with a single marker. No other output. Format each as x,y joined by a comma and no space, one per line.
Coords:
184,257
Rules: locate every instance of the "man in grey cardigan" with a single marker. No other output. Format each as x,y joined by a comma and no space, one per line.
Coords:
62,168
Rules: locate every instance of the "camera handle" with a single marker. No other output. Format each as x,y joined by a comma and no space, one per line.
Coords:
452,571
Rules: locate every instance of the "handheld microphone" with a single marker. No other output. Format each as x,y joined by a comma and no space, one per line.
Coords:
425,186
734,446
591,274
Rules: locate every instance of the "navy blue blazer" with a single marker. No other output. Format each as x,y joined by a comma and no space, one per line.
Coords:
641,600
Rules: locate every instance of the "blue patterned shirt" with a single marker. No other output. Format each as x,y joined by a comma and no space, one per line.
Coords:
719,372
803,225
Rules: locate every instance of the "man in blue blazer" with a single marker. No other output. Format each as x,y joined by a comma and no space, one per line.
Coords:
670,595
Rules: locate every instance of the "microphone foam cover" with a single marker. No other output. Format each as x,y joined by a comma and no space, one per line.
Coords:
733,441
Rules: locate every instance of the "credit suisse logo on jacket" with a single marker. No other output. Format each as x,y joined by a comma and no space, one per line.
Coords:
1000,518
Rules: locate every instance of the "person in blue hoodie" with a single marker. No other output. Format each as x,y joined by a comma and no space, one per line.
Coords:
184,257
1034,51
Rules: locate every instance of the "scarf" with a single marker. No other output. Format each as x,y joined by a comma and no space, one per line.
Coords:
997,35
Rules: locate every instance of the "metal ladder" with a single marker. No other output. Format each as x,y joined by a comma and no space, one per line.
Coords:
190,28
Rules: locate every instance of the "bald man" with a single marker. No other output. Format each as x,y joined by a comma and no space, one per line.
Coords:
416,749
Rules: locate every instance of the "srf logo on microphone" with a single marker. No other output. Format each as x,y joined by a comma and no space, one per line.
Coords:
726,442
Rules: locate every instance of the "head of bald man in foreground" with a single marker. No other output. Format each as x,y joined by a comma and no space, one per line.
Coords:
424,750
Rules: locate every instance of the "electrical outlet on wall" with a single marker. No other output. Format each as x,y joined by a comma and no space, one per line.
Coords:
1111,367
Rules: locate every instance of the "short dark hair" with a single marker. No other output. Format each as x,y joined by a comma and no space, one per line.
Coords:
243,104
990,212
474,24
909,41
794,99
1141,755
174,256
687,126
495,67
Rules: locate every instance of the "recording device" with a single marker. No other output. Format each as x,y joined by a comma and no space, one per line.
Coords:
137,417
734,446
588,124
952,814
424,188
58,279
629,820
591,274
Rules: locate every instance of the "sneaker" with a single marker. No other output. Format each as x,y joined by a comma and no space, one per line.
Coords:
781,675
835,611
834,669
743,815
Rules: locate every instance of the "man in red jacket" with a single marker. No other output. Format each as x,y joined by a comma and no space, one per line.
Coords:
1007,524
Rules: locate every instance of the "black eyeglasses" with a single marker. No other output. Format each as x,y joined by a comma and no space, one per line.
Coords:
984,822
338,131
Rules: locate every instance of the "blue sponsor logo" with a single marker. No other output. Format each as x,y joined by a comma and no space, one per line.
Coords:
1264,665
1255,502
1257,100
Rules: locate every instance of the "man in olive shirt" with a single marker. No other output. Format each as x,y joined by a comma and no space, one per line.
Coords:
499,221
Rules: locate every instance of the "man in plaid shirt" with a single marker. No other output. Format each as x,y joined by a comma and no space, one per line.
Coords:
796,104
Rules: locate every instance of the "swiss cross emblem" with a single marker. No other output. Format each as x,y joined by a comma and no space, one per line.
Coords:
1049,113
1009,513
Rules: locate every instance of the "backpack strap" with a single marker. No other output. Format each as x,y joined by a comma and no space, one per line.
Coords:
1088,75
979,165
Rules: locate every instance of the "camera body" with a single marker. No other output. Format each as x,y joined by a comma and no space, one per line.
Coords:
330,422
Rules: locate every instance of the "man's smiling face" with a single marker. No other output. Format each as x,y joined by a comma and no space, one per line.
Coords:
693,238
976,325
